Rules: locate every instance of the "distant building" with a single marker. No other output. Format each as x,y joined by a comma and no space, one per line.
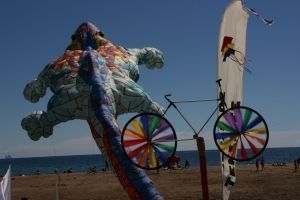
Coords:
7,156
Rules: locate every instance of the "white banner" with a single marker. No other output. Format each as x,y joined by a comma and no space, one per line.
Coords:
231,59
5,186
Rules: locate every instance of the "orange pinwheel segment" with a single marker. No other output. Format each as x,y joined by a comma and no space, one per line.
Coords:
143,158
133,134
259,140
232,153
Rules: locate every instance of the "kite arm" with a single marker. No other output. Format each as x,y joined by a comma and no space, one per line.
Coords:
151,57
36,88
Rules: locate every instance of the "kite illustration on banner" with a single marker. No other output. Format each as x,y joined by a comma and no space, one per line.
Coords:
95,80
231,65
229,52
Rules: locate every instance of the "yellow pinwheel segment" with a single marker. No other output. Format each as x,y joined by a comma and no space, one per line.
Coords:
138,128
153,161
258,131
226,144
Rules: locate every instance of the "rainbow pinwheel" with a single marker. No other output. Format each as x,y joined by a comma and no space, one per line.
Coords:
241,133
149,141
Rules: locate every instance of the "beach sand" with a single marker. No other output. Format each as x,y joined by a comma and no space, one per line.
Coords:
279,182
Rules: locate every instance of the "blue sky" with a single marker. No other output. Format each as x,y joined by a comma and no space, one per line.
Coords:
32,33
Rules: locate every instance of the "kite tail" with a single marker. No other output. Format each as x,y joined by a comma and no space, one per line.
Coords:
134,180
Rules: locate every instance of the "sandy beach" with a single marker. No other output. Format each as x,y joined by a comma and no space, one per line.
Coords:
279,182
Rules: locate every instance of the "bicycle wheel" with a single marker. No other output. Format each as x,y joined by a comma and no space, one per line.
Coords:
149,141
241,133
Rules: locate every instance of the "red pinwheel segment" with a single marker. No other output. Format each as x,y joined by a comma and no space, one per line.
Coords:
135,152
254,149
152,142
243,150
249,126
128,143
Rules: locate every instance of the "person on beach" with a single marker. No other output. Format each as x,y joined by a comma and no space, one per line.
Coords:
262,163
257,164
295,165
186,164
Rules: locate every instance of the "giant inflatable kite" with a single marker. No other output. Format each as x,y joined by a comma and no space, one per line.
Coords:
95,80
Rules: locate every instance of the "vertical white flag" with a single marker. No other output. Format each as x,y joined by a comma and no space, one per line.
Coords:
5,190
231,59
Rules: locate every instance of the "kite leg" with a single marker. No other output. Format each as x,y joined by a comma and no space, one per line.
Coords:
62,107
134,180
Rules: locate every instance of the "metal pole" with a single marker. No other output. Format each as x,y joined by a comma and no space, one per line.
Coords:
56,188
203,169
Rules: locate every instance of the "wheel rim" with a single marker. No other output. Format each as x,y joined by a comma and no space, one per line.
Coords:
241,133
149,141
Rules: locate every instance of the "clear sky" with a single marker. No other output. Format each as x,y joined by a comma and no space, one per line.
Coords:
32,33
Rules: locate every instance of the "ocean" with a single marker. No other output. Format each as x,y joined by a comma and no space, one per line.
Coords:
82,163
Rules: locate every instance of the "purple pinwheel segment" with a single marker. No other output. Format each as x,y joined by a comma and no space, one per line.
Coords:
162,156
229,118
163,126
238,118
166,138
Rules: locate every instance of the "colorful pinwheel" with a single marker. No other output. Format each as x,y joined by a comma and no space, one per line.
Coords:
149,141
241,133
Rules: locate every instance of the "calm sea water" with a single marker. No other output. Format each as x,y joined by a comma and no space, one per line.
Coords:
47,165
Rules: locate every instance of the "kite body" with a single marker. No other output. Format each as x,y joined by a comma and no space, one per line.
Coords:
95,80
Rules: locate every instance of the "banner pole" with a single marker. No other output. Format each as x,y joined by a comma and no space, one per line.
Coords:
203,169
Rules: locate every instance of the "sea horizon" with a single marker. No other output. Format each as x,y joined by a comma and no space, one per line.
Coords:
92,154
82,163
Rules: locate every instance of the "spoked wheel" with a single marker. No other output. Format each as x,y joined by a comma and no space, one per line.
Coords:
241,133
149,141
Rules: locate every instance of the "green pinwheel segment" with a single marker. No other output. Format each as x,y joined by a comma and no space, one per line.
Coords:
247,117
154,122
223,126
168,148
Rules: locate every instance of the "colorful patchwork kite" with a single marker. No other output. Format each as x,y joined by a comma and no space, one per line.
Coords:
95,80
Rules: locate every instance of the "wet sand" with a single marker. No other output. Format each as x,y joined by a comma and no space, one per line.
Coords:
280,182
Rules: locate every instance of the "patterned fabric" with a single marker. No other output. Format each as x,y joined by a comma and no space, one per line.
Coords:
96,80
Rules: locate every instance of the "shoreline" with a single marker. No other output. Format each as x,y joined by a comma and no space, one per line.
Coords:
275,182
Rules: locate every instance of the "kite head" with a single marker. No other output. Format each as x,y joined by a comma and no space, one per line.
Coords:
86,35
